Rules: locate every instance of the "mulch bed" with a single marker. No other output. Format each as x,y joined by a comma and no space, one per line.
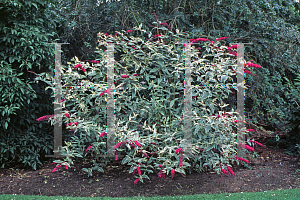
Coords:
271,170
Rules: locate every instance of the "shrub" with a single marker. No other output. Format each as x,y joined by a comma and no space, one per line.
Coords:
149,77
25,30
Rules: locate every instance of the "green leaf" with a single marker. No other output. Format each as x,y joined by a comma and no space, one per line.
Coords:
224,78
180,170
154,70
99,169
35,5
147,77
210,147
158,81
131,169
207,129
204,96
11,59
145,176
172,103
126,160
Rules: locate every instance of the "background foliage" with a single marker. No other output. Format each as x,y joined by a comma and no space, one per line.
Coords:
24,31
272,27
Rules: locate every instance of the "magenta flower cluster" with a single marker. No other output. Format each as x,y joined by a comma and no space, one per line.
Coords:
58,166
79,66
44,117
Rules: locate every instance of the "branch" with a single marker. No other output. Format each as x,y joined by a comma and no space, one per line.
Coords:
241,37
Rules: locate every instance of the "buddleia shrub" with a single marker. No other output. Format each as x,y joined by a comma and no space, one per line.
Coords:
149,104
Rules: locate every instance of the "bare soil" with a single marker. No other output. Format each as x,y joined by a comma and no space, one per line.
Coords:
271,170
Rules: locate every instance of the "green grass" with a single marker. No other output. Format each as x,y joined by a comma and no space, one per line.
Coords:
278,194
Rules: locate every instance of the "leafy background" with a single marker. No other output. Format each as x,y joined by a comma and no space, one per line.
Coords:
271,26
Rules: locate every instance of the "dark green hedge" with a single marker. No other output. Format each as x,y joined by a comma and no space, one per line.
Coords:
25,28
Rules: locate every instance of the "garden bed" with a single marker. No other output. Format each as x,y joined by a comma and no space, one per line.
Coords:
271,170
